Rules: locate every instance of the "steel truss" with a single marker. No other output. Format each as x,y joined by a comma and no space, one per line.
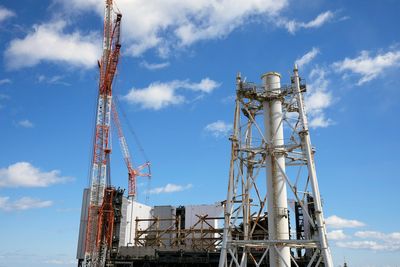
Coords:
257,228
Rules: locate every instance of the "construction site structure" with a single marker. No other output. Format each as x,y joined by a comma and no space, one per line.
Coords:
272,172
273,212
116,231
102,203
133,173
99,229
164,235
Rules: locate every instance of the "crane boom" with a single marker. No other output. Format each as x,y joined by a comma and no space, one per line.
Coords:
132,172
100,212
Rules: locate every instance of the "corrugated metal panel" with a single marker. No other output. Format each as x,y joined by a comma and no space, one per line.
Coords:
192,214
165,212
193,211
124,220
80,252
135,210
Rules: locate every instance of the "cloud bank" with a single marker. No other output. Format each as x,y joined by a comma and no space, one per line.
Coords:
159,95
367,66
218,128
163,25
23,203
24,174
170,188
49,43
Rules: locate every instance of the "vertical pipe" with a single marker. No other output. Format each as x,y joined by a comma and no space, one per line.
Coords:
136,231
130,220
278,227
246,189
306,144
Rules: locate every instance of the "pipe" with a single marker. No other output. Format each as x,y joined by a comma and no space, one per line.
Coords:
278,226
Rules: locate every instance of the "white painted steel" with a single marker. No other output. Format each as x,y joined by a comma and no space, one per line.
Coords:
136,210
192,217
228,207
306,143
278,227
277,105
192,213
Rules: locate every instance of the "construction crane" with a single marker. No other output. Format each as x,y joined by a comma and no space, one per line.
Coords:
132,173
100,212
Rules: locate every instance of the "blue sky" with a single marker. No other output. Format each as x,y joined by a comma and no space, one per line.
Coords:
176,82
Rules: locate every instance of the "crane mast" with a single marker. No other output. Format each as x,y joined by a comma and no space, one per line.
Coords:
100,214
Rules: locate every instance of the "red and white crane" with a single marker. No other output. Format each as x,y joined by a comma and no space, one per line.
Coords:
100,212
99,228
132,173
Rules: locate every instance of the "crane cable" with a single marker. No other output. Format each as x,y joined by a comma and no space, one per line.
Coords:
135,137
131,130
140,147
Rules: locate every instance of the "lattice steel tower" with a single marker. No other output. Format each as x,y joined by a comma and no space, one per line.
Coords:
272,181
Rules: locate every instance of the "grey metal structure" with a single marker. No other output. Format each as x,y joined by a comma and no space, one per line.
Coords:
124,223
80,253
167,214
271,139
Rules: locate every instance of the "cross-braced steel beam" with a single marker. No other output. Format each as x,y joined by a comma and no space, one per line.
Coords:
271,139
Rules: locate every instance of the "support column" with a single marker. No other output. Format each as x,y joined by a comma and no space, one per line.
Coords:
306,144
228,207
278,227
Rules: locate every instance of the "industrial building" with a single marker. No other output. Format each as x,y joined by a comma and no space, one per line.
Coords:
161,233
272,214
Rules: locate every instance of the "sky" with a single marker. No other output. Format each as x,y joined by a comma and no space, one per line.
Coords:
176,86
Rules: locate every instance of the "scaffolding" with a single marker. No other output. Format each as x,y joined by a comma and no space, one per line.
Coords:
171,233
272,164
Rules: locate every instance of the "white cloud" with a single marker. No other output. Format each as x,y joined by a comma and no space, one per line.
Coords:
154,66
159,95
23,203
170,24
218,128
170,188
336,235
206,85
48,43
337,222
156,96
5,81
320,121
307,58
54,80
318,98
395,236
24,174
320,20
377,241
26,124
359,245
369,245
368,67
5,13
292,26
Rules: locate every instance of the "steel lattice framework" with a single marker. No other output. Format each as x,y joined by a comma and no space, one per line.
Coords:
100,215
133,173
268,171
